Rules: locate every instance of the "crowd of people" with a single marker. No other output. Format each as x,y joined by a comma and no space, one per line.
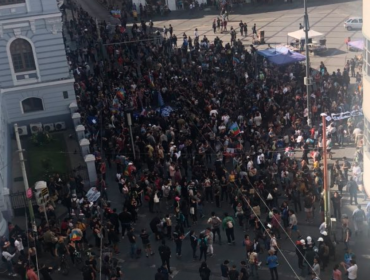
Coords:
211,123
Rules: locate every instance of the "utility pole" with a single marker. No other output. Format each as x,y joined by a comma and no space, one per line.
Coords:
325,179
129,122
24,172
307,79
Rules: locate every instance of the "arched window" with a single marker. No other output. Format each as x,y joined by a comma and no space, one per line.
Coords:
32,104
22,56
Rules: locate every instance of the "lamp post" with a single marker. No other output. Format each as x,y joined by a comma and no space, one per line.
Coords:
325,179
129,123
307,79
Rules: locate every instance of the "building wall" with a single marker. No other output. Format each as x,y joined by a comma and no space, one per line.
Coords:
366,96
46,38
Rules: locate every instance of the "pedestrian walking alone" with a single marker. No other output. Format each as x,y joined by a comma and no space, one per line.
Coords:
204,271
228,224
272,263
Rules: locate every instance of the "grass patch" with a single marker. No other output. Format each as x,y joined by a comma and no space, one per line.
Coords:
46,158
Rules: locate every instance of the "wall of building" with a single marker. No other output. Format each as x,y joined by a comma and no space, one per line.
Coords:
366,95
46,38
54,101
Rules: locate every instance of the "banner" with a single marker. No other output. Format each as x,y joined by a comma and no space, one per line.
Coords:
346,115
93,194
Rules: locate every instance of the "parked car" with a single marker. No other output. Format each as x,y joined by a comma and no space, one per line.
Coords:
353,23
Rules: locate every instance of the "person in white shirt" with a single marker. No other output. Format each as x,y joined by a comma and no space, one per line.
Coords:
258,119
8,257
213,113
352,270
18,244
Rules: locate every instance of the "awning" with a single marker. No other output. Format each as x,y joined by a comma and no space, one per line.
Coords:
301,35
281,56
359,44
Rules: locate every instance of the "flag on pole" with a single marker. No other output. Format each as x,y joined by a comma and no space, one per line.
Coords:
151,79
160,99
234,129
235,61
121,94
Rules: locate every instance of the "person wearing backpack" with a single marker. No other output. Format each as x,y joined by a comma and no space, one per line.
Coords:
202,242
204,271
215,223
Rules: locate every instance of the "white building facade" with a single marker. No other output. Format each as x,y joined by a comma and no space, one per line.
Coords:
35,82
366,91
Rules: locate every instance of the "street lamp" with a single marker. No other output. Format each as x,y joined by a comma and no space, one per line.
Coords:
129,122
307,79
325,179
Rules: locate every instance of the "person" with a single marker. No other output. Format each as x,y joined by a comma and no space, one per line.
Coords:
45,271
293,223
336,274
358,219
233,273
204,271
209,236
30,274
132,240
202,242
351,270
272,263
215,223
88,271
125,219
253,263
336,202
243,275
228,224
254,30
18,244
316,267
165,254
193,243
61,250
8,260
323,252
225,270
300,26
178,237
346,236
352,189
146,243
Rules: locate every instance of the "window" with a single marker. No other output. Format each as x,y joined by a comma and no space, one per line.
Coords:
65,94
10,2
32,104
360,20
22,56
355,21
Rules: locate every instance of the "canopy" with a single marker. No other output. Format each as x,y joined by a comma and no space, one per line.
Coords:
301,35
281,56
359,44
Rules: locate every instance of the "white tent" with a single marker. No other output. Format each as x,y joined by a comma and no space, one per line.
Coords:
300,34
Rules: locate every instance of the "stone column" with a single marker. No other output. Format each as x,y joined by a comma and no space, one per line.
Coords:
85,146
76,117
73,107
80,131
90,163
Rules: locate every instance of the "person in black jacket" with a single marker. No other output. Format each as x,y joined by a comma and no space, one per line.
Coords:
204,271
45,271
165,254
125,219
193,243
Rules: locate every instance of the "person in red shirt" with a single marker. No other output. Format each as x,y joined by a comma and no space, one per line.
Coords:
31,275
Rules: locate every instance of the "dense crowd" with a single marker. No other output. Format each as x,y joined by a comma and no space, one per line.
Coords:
211,123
